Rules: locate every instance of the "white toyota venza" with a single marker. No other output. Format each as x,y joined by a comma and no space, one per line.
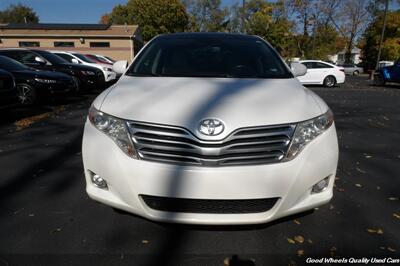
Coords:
210,128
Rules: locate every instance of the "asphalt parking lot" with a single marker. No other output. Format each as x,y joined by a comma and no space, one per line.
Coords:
46,218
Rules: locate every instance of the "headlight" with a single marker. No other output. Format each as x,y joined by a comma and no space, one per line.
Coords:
114,128
107,69
87,72
48,81
307,131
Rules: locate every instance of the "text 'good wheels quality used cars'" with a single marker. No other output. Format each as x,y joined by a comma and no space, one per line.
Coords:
210,128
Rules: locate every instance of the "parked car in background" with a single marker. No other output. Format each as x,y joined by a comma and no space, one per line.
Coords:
32,85
98,59
238,140
388,74
106,58
322,73
85,77
8,91
352,69
76,58
385,63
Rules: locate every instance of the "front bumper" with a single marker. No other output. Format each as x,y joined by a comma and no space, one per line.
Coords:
128,178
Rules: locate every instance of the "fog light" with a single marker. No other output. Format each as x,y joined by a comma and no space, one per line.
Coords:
99,182
321,185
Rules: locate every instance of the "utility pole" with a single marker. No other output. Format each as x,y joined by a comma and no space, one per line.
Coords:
382,34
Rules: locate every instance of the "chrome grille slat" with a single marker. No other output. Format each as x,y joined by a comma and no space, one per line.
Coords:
245,146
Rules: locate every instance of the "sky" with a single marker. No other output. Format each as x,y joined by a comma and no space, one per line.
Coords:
71,11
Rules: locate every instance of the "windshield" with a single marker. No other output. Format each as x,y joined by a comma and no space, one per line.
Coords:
209,57
52,58
84,58
10,64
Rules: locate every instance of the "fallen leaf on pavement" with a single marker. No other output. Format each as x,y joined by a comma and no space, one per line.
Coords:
296,222
358,185
310,241
145,241
299,239
395,215
359,170
391,249
291,241
226,262
393,198
375,231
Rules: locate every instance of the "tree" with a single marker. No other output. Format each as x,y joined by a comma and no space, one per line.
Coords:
318,38
18,14
206,15
371,37
267,21
350,20
153,16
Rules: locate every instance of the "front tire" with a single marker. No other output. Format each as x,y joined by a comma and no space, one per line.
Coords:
330,81
27,95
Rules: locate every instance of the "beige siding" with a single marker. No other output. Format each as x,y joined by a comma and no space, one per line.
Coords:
119,37
120,49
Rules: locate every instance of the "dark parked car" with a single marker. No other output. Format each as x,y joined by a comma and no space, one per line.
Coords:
34,84
8,92
85,77
388,74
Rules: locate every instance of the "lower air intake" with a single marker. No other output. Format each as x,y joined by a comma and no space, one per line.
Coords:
209,206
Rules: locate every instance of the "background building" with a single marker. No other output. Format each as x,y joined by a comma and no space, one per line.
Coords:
340,58
120,42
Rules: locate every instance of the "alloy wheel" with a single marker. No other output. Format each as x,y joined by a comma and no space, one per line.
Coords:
26,94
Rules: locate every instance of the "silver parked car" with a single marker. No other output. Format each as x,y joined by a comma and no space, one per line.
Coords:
352,69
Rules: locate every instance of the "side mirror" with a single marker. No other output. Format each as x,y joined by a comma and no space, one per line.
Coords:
298,69
75,61
40,60
120,66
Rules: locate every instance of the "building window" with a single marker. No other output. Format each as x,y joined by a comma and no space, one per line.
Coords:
64,44
29,44
99,44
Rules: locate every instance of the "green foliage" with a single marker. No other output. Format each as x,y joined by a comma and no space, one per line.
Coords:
153,16
206,15
326,42
18,14
370,41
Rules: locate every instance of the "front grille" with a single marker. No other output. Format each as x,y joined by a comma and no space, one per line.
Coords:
209,206
245,146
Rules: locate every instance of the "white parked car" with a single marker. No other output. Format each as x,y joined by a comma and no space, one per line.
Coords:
76,58
323,73
210,128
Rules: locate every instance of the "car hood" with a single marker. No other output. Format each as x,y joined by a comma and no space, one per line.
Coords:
185,102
